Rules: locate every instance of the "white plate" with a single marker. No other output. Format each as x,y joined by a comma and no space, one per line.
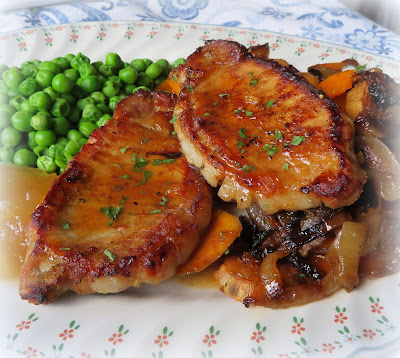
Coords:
172,320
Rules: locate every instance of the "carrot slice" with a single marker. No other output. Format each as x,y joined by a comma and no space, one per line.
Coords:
223,230
338,83
169,85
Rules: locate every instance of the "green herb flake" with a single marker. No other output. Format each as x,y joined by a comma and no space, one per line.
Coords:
213,152
223,94
285,166
173,132
145,140
236,111
190,88
246,168
215,103
206,114
243,150
162,161
66,225
240,144
270,103
248,113
64,248
112,213
140,163
126,176
173,119
163,201
253,167
118,187
253,82
361,68
241,133
270,149
109,254
124,149
143,192
301,275
116,165
265,205
155,211
296,140
147,175
278,134
227,252
250,73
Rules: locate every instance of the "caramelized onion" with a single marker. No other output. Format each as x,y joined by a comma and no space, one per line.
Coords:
356,99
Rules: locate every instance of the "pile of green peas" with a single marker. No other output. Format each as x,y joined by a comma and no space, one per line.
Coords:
48,109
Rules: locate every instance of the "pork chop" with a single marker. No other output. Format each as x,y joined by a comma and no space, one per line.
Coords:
128,209
263,132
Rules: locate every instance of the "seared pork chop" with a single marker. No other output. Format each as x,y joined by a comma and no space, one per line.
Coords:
128,209
263,132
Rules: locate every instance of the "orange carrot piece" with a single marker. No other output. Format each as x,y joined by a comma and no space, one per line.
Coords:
169,85
223,230
338,83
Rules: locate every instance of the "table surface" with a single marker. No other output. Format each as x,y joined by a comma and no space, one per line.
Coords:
329,20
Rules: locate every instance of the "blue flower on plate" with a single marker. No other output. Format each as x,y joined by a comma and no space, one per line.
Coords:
364,40
183,9
275,13
311,31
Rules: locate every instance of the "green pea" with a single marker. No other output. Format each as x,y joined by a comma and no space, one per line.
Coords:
103,119
45,138
40,121
13,92
27,86
154,70
78,60
144,80
61,162
139,65
61,83
29,70
107,70
147,61
61,126
41,100
116,79
16,102
49,66
114,101
31,140
86,128
50,91
60,107
81,104
104,108
72,148
26,106
82,142
98,97
129,89
4,98
62,141
6,154
3,68
46,163
78,92
178,61
40,150
113,60
74,115
21,145
110,88
69,57
5,119
97,64
141,88
62,63
128,75
44,78
69,98
74,135
7,108
25,157
12,77
91,84
91,113
87,69
164,65
72,74
56,149
21,121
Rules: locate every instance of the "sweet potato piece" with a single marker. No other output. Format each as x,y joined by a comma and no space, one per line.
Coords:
169,85
338,83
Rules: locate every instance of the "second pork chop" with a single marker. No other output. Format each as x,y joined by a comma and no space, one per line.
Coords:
128,209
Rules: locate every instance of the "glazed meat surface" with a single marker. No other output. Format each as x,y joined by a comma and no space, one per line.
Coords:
128,209
263,132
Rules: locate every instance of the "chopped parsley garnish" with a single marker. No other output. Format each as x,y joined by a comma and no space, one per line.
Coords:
140,163
206,114
118,187
64,248
155,211
110,212
248,113
265,205
214,104
250,73
116,165
253,82
109,254
190,88
126,176
301,275
270,149
361,68
296,140
147,175
241,133
173,119
227,252
253,167
145,140
270,103
162,161
163,201
124,149
285,166
143,192
246,168
236,111
213,152
278,134
66,225
223,94
239,144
